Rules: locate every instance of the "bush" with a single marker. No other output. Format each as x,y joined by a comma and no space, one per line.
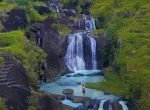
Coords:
28,53
2,104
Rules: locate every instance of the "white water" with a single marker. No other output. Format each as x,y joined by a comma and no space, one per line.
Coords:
74,58
124,106
90,24
101,104
70,103
93,49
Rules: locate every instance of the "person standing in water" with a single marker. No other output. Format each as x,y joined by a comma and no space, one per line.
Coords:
83,90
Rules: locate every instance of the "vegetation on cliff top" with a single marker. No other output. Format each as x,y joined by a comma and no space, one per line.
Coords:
30,55
2,105
128,22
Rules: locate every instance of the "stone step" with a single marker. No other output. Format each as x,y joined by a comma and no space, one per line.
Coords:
3,80
19,86
9,83
4,73
3,76
6,68
7,63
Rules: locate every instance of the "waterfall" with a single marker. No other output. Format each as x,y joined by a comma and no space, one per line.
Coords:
74,57
93,49
101,104
81,51
89,23
110,106
124,106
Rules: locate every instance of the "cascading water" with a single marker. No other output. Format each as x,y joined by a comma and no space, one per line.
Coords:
101,104
93,49
75,57
89,23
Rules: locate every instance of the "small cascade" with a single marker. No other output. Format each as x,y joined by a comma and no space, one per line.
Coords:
101,104
86,22
110,106
123,104
81,52
93,49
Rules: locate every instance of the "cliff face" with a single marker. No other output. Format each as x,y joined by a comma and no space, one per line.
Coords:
53,46
14,84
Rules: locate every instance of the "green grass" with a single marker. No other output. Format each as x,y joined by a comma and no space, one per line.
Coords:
2,104
6,7
1,61
24,51
62,29
128,20
112,83
16,41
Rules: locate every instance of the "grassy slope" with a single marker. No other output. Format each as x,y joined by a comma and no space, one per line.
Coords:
134,55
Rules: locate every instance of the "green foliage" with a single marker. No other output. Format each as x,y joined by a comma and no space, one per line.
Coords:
30,55
34,61
112,83
2,104
6,6
33,101
62,29
1,61
128,20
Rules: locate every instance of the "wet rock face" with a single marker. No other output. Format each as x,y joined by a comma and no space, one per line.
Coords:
85,8
53,46
16,19
116,106
102,44
42,9
14,84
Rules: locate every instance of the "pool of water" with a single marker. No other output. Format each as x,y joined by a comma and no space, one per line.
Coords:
65,82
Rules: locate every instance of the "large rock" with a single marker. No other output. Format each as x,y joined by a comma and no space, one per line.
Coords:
47,102
15,88
78,75
106,105
68,91
42,9
58,97
116,106
102,45
53,46
16,20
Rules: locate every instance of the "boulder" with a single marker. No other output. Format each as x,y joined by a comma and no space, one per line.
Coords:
78,83
52,45
58,97
78,74
106,105
95,74
16,20
42,9
116,106
47,102
86,101
107,92
14,84
68,91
